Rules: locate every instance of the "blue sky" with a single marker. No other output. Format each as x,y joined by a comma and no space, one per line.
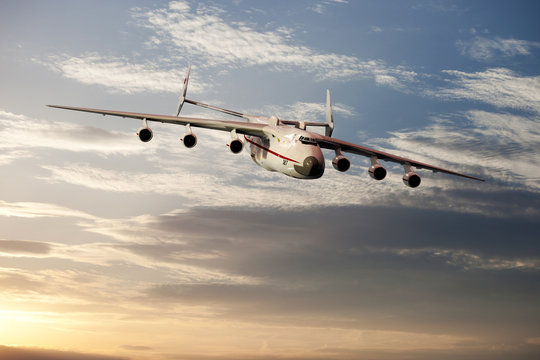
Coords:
113,248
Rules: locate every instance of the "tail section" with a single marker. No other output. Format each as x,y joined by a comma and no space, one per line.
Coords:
182,97
329,116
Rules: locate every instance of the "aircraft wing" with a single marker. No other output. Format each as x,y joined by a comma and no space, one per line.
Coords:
241,127
335,144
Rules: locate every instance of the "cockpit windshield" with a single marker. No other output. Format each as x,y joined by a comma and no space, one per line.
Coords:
307,140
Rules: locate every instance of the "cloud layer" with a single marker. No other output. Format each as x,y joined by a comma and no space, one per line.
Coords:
255,277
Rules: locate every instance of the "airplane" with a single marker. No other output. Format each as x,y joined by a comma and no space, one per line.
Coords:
278,145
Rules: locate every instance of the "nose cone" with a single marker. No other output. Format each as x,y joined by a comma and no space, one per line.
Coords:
311,168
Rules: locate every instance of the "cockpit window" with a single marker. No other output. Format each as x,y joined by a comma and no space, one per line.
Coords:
307,140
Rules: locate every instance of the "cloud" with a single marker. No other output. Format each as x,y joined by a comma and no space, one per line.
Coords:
468,260
203,33
13,281
499,87
486,49
471,353
306,111
24,353
9,156
23,247
502,146
21,135
119,75
38,210
136,347
320,7
430,278
300,273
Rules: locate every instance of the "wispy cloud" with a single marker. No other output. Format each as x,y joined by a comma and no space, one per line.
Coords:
499,87
466,259
27,353
129,240
487,49
307,111
320,8
502,146
23,247
38,210
20,134
203,33
120,75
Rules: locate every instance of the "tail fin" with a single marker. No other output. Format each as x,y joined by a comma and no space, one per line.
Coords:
329,116
182,97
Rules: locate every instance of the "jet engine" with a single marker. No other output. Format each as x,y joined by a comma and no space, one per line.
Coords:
341,163
377,171
189,139
235,144
145,134
411,179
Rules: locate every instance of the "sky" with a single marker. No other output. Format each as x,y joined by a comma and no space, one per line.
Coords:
111,248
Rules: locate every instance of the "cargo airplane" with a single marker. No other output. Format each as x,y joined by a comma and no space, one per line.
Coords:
278,145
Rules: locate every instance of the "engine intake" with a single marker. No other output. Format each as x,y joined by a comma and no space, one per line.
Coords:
235,145
145,134
189,140
411,179
341,163
377,172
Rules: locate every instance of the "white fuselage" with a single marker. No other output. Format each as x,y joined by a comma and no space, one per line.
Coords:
287,150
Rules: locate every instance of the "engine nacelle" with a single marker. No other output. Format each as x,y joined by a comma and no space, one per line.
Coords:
235,145
341,163
377,171
189,140
145,134
411,179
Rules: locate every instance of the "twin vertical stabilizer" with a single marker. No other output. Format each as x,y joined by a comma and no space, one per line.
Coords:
182,97
329,124
329,116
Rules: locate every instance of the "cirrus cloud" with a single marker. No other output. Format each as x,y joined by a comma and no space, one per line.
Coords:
486,49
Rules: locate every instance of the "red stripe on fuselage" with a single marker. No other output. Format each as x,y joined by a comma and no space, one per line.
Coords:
270,151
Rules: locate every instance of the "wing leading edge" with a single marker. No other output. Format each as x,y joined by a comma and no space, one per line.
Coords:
223,125
336,144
